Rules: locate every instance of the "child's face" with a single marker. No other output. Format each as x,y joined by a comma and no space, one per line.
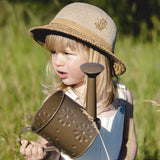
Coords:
67,65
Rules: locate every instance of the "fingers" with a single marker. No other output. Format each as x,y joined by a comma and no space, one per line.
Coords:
41,153
24,144
32,150
37,150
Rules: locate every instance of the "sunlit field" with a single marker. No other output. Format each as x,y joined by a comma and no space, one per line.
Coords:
22,72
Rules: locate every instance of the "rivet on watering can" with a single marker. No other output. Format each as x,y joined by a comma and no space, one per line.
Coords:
77,136
73,121
90,136
60,120
74,147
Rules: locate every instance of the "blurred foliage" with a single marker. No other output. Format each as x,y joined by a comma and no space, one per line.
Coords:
133,17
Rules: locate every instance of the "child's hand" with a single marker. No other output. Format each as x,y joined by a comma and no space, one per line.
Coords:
32,150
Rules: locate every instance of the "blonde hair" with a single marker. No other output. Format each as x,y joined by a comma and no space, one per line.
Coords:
105,86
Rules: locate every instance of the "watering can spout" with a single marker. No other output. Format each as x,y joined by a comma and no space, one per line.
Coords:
92,70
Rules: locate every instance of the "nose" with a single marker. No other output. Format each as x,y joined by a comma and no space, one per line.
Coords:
58,59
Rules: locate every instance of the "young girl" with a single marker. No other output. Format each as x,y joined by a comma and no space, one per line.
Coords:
78,34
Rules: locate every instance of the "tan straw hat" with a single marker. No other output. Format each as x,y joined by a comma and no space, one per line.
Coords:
86,23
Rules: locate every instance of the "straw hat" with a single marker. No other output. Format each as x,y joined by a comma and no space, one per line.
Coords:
86,23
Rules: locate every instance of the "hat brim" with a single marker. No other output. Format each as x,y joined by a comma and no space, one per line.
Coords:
72,30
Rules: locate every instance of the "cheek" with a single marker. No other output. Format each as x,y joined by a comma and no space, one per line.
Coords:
75,70
76,73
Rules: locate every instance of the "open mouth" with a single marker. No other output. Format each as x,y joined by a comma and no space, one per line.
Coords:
61,74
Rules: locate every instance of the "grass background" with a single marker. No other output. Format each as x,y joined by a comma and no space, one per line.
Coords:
22,71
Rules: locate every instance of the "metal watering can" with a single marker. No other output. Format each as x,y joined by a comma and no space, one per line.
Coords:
66,124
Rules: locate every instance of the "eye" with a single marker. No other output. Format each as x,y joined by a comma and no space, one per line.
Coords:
66,53
53,52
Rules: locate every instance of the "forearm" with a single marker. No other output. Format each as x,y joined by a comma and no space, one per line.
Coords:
133,146
128,153
129,144
129,147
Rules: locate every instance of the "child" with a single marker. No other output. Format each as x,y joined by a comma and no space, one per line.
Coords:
78,34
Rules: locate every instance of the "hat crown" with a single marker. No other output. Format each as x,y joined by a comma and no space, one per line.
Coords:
92,18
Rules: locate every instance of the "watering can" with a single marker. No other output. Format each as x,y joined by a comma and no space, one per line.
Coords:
66,124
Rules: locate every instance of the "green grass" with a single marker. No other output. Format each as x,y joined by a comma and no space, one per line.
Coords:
22,70
143,79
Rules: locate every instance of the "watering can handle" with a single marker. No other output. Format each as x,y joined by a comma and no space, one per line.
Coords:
28,128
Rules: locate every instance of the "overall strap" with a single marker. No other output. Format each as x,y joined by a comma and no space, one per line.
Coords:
122,93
